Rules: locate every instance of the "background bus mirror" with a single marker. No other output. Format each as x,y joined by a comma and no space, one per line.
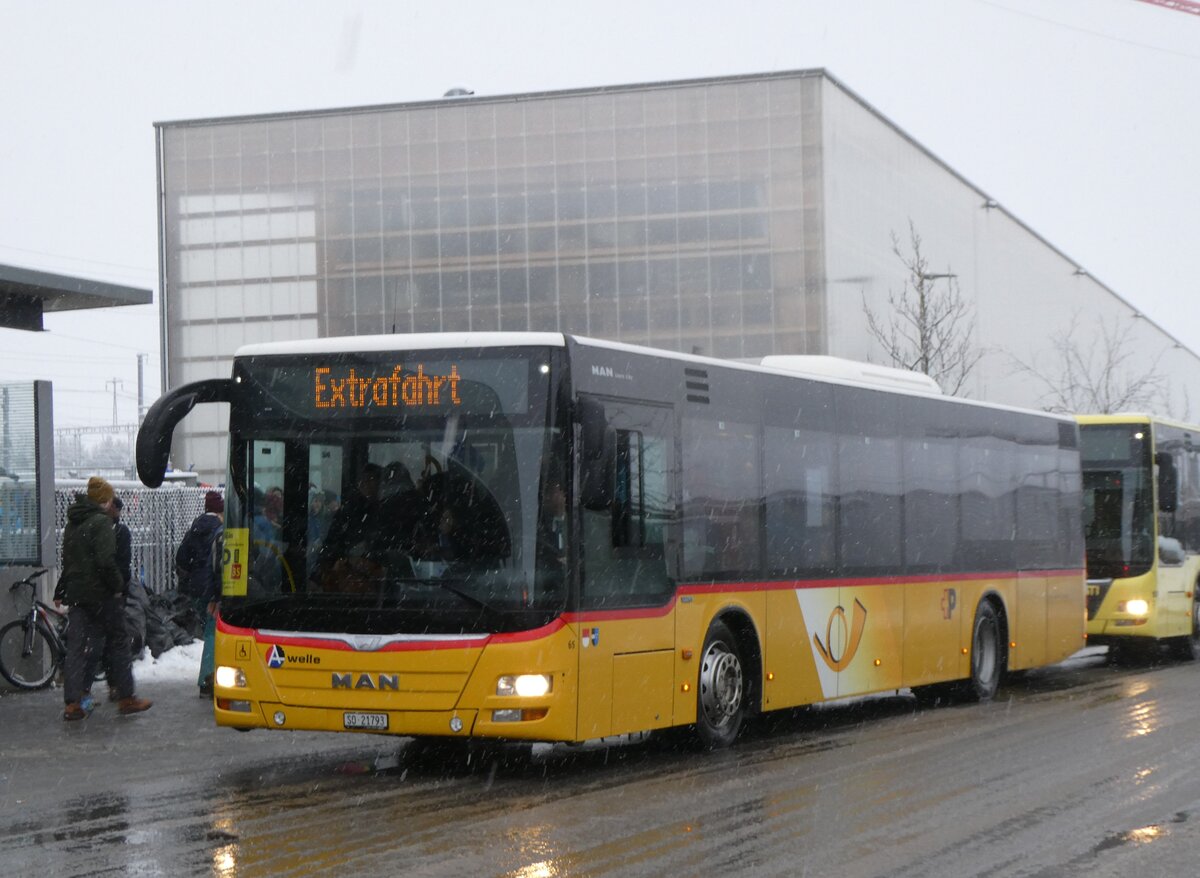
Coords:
599,443
1170,551
1168,482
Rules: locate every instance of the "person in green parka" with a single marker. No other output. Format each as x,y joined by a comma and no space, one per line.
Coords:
93,587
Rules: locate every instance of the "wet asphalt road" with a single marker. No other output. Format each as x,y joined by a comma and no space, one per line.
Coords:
1082,769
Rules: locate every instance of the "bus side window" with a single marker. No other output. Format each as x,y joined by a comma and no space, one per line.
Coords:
629,508
721,499
626,545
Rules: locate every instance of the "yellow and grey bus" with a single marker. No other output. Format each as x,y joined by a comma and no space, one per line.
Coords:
1141,481
535,536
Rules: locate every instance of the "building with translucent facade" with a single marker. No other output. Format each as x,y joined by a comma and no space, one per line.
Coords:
735,217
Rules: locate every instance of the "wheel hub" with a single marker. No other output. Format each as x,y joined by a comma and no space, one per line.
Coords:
720,685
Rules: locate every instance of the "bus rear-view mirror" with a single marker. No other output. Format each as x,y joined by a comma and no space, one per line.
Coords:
596,462
1168,482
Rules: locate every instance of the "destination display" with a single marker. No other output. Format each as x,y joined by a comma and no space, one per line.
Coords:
394,384
399,389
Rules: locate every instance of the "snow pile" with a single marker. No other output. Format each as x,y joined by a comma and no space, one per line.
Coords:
176,664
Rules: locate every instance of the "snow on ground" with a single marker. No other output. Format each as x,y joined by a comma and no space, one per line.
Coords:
176,664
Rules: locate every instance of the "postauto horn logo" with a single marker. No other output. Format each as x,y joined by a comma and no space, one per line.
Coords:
838,618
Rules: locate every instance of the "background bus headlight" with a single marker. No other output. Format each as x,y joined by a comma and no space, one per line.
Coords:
230,678
1135,607
525,685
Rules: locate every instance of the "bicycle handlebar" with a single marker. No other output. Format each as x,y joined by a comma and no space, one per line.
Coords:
28,580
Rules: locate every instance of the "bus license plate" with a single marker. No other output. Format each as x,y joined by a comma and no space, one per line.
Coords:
376,721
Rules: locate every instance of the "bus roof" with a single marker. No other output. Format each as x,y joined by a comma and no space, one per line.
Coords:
1135,418
831,370
349,344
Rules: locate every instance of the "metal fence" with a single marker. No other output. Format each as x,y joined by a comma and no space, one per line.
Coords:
157,519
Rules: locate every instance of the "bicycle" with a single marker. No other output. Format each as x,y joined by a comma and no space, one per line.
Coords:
34,647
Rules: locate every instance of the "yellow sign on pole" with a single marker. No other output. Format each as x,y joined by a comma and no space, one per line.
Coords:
234,565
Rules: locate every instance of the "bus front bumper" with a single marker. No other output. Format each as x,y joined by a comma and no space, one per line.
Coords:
273,715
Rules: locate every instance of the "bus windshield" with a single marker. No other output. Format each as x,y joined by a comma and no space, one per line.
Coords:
394,493
1118,511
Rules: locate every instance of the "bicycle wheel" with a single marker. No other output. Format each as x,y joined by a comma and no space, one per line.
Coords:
26,670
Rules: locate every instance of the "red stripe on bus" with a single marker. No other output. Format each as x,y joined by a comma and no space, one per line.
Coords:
858,582
651,612
396,646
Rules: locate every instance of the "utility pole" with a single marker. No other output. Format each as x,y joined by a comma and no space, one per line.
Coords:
141,387
115,382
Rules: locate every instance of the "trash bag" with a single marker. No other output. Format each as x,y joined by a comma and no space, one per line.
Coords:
171,621
137,602
158,639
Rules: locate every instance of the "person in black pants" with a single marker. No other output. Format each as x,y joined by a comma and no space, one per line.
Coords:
94,588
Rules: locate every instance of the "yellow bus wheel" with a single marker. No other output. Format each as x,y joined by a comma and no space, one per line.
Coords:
988,656
721,689
1187,648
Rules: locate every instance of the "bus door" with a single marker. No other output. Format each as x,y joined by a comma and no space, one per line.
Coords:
625,624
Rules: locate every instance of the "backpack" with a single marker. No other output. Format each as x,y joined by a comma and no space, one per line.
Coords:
196,558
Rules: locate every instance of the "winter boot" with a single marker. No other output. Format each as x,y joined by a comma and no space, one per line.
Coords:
74,712
133,704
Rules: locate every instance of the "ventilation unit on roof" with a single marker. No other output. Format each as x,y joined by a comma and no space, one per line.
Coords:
816,366
696,382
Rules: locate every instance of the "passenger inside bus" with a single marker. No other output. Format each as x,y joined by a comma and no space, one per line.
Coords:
552,530
351,555
551,549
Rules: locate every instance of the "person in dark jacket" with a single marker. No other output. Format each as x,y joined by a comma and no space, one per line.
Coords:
124,565
93,587
200,577
124,544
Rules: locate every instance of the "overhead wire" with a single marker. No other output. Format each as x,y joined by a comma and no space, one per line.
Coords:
1084,30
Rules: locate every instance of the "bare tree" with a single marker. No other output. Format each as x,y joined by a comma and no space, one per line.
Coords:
929,327
1093,372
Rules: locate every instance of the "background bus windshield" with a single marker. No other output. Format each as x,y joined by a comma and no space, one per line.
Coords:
1118,499
393,494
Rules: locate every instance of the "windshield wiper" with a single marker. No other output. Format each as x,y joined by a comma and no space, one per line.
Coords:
454,589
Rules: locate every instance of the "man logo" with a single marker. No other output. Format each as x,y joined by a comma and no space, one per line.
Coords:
376,682
602,371
838,617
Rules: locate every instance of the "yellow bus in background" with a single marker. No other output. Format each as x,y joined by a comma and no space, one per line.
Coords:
540,537
1141,481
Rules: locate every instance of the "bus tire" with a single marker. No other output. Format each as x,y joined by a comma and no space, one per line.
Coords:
1130,652
988,656
1187,647
720,690
935,695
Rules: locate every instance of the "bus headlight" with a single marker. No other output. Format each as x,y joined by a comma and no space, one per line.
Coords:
525,685
1135,607
230,678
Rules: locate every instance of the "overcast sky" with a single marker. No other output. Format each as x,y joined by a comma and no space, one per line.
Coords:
1081,117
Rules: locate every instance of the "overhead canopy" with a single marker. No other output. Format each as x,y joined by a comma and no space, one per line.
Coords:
26,294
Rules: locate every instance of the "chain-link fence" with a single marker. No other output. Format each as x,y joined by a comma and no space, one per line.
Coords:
157,519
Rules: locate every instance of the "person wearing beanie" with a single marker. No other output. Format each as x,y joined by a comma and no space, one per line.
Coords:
99,491
93,586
